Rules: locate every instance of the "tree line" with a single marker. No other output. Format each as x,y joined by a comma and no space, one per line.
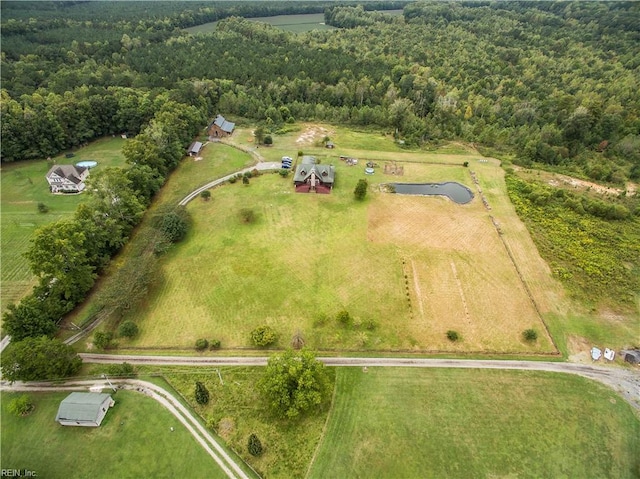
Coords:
553,82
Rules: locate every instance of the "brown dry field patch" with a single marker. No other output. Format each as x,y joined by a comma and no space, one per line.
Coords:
460,276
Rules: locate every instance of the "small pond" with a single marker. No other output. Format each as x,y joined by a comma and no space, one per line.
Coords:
452,190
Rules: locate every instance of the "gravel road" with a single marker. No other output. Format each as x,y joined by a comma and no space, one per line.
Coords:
204,438
625,382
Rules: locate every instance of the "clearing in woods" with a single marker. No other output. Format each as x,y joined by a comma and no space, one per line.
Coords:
407,269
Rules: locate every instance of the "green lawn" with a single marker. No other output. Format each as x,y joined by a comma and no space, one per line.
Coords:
417,423
291,23
236,410
133,441
23,186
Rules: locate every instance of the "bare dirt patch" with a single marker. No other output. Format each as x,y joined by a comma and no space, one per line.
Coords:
564,181
579,349
311,134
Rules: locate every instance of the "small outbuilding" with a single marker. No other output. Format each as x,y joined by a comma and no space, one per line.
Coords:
195,148
220,128
631,356
84,409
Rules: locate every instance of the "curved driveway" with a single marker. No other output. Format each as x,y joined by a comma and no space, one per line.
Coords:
204,438
625,382
260,166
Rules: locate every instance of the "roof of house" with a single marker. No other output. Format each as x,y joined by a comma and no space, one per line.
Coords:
325,173
70,172
223,124
309,160
195,147
81,406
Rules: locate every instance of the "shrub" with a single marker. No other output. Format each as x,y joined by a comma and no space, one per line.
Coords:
283,172
268,140
361,190
128,329
124,370
297,342
102,340
245,180
202,393
175,225
21,406
248,215
233,179
214,344
453,336
369,324
344,318
205,195
530,335
263,336
254,446
42,208
202,344
320,320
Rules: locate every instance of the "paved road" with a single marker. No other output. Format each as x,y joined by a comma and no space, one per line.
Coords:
626,382
204,438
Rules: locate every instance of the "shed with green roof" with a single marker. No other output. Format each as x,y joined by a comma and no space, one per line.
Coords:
84,409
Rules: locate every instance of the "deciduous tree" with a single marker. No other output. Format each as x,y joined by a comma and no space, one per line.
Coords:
294,383
35,359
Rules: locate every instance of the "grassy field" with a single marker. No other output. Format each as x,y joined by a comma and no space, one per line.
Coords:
235,411
133,441
217,160
406,268
23,186
291,23
409,423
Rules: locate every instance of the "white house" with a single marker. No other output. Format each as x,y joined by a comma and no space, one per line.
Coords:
84,409
67,178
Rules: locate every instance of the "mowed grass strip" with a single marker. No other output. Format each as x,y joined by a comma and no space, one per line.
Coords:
23,186
411,423
134,440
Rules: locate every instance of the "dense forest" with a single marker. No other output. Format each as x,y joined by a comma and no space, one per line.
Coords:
553,82
548,84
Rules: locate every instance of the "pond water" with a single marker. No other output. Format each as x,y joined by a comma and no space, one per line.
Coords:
452,190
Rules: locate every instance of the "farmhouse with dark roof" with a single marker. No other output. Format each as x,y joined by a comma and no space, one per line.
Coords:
67,178
310,177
